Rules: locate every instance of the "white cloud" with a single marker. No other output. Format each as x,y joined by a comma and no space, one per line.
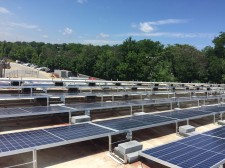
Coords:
4,11
67,31
103,35
21,25
167,21
81,1
147,27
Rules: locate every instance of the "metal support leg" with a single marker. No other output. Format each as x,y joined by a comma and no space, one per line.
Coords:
88,112
187,122
214,118
198,103
171,105
129,135
142,108
70,116
48,101
34,158
131,110
110,143
176,127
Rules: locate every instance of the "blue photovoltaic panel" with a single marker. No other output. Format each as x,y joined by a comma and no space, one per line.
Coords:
100,105
202,151
215,109
46,109
135,122
20,96
26,111
24,140
184,114
78,131
11,111
37,138
218,132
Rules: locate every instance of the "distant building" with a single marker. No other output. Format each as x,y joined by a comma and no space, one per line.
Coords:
63,73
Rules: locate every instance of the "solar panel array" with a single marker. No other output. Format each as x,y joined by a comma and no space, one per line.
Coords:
22,96
136,122
28,111
163,118
202,151
186,114
115,104
15,112
38,139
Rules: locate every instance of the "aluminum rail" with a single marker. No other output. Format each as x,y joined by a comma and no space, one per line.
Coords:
101,81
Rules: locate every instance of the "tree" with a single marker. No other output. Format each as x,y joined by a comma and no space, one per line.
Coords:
188,63
219,43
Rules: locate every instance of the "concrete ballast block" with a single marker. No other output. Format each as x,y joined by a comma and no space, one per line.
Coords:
80,119
221,122
133,157
129,147
118,153
186,129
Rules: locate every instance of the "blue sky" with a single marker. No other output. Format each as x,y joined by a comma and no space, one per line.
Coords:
99,22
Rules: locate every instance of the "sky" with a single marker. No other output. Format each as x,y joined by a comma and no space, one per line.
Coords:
100,22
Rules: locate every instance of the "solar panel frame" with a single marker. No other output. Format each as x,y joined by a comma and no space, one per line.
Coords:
12,112
136,122
23,96
46,109
28,139
215,108
182,115
218,132
31,111
116,104
87,131
52,138
101,105
210,151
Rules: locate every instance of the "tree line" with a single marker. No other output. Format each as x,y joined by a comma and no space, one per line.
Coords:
143,60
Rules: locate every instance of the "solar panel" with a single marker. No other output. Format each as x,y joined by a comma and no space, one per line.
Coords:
46,109
202,150
5,112
219,132
21,96
100,105
44,138
24,140
78,131
26,111
215,109
135,122
184,114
